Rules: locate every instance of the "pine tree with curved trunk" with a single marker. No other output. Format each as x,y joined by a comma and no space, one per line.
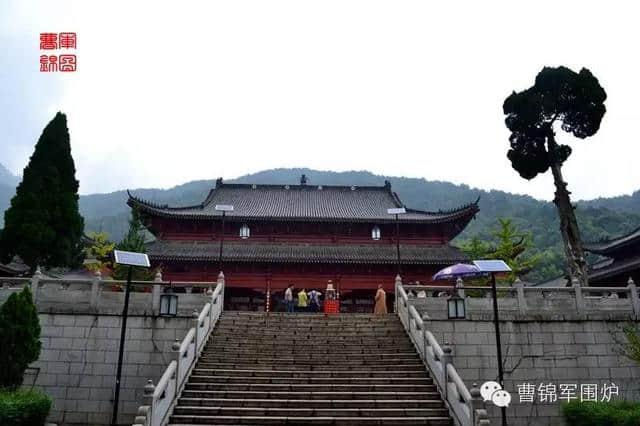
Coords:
575,101
43,225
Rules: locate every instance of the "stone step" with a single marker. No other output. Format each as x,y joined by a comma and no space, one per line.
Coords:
309,321
308,412
356,328
309,369
310,387
312,380
200,371
314,367
310,341
312,395
306,365
315,349
304,358
342,316
311,403
324,421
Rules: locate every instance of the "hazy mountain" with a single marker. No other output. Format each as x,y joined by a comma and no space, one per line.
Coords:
598,219
7,178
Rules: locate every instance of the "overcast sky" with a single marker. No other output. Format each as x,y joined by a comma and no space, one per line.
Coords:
165,94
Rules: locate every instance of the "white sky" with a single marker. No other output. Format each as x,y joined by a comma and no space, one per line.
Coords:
170,92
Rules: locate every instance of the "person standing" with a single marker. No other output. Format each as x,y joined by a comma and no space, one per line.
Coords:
303,301
381,302
314,300
288,298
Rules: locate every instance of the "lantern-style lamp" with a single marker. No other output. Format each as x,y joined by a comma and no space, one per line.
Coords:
456,307
168,305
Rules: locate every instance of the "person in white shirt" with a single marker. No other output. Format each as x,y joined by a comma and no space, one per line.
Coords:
288,298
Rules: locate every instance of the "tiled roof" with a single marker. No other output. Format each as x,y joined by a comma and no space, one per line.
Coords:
304,253
305,203
605,247
611,268
14,268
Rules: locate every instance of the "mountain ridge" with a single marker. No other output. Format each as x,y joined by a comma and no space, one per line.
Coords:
599,219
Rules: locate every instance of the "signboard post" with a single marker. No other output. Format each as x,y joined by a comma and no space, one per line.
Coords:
224,208
397,211
130,259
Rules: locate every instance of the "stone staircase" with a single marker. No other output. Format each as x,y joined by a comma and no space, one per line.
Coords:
297,369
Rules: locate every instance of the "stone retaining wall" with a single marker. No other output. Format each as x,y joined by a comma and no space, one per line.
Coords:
79,358
536,352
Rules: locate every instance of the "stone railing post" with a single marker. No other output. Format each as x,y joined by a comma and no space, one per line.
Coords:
396,296
459,289
149,389
446,360
156,290
522,300
196,327
175,348
633,295
477,405
221,281
95,289
577,289
35,280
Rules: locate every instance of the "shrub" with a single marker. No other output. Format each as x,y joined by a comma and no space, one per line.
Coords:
23,408
20,338
619,413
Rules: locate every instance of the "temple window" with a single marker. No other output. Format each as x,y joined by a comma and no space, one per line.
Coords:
375,233
244,231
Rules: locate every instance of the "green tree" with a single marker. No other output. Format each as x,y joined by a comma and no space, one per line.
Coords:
507,243
576,102
19,339
43,225
133,241
99,249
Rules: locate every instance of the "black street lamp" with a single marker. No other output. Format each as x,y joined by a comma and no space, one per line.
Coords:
396,212
224,208
130,259
492,267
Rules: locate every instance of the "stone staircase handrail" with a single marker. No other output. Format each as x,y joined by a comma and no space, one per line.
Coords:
457,391
174,378
438,360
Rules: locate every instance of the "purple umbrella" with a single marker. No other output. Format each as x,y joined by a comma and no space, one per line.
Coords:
456,271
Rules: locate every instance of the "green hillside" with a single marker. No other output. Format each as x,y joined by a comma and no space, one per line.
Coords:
598,219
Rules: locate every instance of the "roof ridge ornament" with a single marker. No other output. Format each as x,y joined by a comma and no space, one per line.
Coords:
303,179
218,182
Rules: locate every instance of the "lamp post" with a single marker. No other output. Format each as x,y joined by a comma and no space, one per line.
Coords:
492,267
397,211
224,208
130,259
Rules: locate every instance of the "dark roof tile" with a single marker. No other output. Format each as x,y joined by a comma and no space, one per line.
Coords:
304,253
305,202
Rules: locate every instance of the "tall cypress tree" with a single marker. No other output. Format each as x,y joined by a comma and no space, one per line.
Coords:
43,225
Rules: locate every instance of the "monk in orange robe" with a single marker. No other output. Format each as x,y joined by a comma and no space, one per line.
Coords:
381,302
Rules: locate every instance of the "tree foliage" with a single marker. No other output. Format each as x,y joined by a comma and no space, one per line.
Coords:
507,243
576,102
133,241
100,249
19,339
43,225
